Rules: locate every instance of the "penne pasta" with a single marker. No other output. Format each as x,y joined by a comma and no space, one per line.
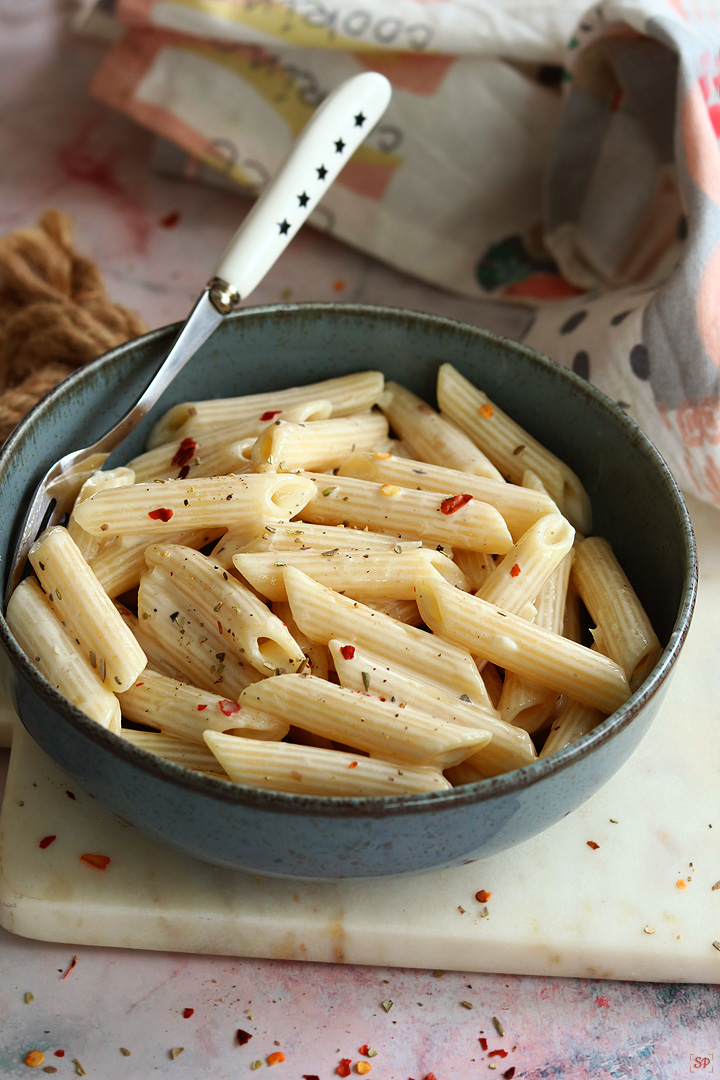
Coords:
517,645
245,624
520,507
509,446
323,614
77,596
185,711
432,437
573,720
624,632
385,729
347,394
322,444
433,517
361,575
120,561
207,502
190,755
54,652
120,477
310,770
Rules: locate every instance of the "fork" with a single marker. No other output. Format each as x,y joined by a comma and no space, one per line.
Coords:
327,142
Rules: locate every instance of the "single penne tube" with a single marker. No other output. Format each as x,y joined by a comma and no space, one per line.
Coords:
191,755
456,519
380,728
347,393
573,720
181,644
523,702
363,575
510,748
627,633
52,649
79,599
185,711
205,502
517,645
120,477
246,625
316,653
520,575
303,536
218,445
509,446
321,444
119,562
323,614
520,507
431,437
310,770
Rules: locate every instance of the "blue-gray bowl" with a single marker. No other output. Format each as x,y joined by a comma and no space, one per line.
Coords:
636,506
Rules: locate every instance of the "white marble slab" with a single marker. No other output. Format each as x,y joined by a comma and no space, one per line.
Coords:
558,907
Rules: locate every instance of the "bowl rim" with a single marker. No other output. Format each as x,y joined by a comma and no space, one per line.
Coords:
241,795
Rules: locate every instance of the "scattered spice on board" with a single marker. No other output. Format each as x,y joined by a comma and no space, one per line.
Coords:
49,1069
454,503
498,1026
170,220
509,1073
100,862
681,884
363,1067
716,945
242,1036
387,1005
176,1052
70,794
343,1068
593,845
256,1064
498,1053
73,963
467,1004
34,1058
483,896
78,1068
310,1076
46,841
483,1042
275,1058
29,996
716,886
59,1053
187,1013
124,1051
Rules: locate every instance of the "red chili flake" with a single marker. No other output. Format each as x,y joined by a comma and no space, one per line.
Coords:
100,862
310,1076
229,707
219,626
201,708
483,896
343,1068
242,1036
430,1076
514,570
187,1013
347,652
170,220
276,1058
163,513
498,1053
509,1073
353,765
73,963
270,414
46,841
185,452
483,1042
183,473
364,1049
59,1053
593,845
454,503
486,410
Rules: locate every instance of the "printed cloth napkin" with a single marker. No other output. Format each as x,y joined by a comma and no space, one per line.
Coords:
535,151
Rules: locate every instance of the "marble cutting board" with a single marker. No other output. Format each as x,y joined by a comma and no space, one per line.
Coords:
558,906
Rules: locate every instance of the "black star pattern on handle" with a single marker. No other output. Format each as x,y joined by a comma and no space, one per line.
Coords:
284,227
303,199
339,146
322,172
360,119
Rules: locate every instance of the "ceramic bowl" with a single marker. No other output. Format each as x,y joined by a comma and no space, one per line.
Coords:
636,506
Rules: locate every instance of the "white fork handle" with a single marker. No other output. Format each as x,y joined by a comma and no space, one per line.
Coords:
324,146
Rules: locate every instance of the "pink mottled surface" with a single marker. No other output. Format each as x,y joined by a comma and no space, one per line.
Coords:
59,148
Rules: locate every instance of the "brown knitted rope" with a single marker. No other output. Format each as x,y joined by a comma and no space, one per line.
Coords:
55,314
